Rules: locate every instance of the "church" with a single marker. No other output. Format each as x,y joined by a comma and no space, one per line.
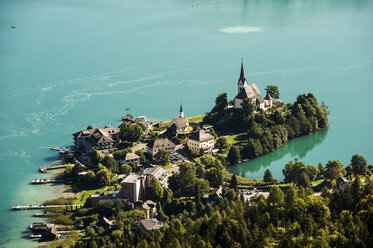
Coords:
252,92
180,123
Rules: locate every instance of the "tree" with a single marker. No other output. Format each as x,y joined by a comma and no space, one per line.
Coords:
334,169
125,169
77,169
304,180
359,164
154,190
103,177
110,163
234,155
162,157
222,144
276,196
130,132
221,103
89,127
211,162
215,177
247,108
268,176
95,157
69,158
233,183
273,91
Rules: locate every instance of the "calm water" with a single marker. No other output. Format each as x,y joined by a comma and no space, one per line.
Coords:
71,63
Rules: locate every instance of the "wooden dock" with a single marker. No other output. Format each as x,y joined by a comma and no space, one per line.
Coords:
52,167
31,207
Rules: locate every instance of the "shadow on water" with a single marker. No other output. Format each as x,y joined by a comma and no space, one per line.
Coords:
51,158
298,147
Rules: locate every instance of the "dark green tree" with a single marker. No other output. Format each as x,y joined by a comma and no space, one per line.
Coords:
110,163
215,177
359,164
221,103
154,190
247,108
273,91
96,158
162,157
130,132
125,169
69,158
268,176
89,127
334,169
234,155
233,183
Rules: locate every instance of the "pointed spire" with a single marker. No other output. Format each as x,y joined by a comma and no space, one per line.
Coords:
242,79
181,111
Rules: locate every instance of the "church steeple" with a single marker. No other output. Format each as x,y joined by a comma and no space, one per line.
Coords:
242,80
181,111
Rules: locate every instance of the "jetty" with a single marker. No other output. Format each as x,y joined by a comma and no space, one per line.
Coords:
52,167
31,207
44,181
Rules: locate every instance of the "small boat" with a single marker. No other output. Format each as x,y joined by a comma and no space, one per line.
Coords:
13,27
128,109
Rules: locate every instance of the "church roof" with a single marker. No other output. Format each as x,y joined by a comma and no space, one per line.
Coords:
250,91
181,123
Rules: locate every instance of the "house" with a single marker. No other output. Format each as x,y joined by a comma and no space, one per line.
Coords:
181,123
160,126
342,183
131,158
104,140
150,208
213,195
151,224
250,91
46,231
133,187
95,199
158,173
201,142
165,144
268,101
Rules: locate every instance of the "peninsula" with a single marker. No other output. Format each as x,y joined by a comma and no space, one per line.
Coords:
165,184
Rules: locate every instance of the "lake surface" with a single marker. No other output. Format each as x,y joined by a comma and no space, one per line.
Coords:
73,63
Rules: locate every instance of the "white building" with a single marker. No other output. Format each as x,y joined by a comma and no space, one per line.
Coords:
201,142
250,91
180,123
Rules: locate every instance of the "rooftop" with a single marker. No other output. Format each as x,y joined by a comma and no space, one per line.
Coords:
131,178
201,136
151,224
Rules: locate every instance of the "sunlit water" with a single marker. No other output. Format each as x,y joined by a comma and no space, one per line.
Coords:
71,63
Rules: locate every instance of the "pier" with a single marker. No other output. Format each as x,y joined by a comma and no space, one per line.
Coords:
31,207
52,167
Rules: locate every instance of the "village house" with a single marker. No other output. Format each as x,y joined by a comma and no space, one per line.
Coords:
158,173
201,142
151,224
95,199
165,144
252,92
130,158
133,187
181,123
150,208
104,140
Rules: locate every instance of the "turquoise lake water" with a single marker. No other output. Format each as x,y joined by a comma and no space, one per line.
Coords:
72,63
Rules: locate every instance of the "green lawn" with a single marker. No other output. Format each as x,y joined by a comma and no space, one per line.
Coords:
83,196
197,118
236,139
